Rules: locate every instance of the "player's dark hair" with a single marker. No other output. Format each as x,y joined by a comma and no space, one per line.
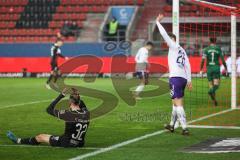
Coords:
149,43
172,36
74,97
213,39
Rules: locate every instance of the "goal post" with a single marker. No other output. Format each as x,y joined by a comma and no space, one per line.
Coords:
175,19
233,55
225,11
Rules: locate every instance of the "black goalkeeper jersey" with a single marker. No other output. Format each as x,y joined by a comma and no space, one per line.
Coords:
55,53
76,122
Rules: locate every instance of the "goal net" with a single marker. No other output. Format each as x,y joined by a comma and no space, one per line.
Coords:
198,21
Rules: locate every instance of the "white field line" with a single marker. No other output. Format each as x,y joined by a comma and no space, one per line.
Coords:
39,146
107,149
27,103
212,152
117,145
213,127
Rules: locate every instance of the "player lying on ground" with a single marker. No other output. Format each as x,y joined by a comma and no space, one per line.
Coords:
180,76
55,53
213,53
76,124
142,66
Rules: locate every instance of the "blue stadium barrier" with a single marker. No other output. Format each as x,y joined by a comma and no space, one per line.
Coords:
105,49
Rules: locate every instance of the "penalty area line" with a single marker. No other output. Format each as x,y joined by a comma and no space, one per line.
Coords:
27,103
211,115
213,127
118,145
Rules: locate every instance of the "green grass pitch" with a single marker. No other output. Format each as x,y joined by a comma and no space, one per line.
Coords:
22,110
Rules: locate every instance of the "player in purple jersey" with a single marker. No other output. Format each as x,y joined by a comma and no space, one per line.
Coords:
179,77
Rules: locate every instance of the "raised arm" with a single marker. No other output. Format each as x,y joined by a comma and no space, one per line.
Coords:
51,108
163,32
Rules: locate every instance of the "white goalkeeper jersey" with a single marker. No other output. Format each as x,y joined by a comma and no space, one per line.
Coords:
238,65
178,61
141,59
229,64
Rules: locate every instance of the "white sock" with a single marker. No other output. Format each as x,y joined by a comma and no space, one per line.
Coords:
19,141
181,116
139,89
174,116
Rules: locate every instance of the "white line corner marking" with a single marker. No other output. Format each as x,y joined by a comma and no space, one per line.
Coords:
103,150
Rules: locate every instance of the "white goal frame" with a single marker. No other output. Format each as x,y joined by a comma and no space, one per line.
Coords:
175,29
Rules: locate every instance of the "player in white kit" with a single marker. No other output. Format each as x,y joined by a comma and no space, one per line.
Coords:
229,65
179,77
238,67
142,66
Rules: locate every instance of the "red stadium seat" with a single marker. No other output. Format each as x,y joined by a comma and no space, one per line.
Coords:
15,17
86,9
14,32
70,39
44,39
50,32
99,2
68,10
57,16
130,2
7,17
3,25
52,39
10,39
3,9
103,9
140,2
64,2
61,9
1,40
81,2
106,2
90,2
65,16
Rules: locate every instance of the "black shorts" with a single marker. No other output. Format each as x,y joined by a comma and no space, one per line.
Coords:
54,67
62,141
142,74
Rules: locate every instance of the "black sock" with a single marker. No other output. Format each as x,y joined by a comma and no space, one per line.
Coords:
30,141
49,79
56,78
